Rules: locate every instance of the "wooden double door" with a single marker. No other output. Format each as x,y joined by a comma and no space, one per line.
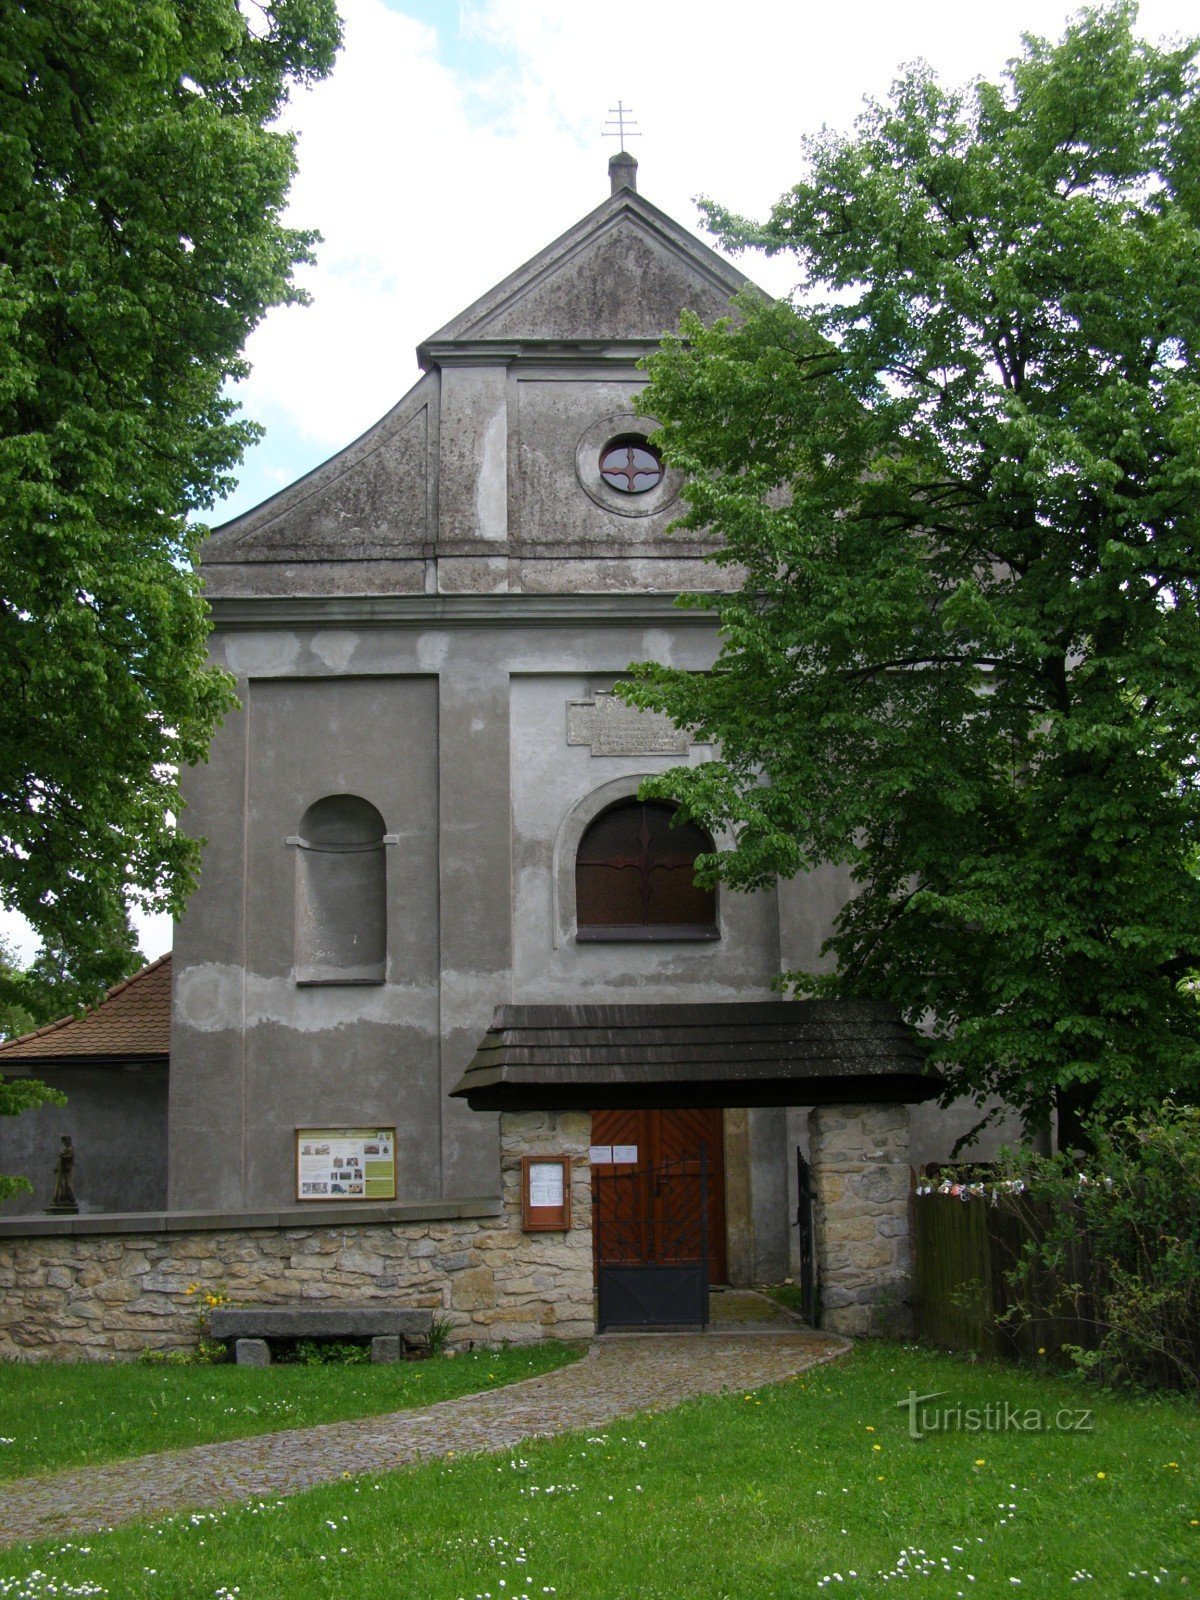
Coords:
649,1190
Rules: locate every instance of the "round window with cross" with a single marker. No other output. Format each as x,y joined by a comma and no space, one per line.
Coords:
630,465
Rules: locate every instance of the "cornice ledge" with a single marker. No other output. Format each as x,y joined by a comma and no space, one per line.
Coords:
481,351
454,610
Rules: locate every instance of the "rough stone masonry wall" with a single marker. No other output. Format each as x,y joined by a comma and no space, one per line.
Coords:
860,1165
98,1295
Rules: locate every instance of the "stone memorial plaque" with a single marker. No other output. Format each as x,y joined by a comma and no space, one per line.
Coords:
612,728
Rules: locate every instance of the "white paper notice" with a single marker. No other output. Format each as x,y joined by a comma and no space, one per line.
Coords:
545,1183
600,1155
625,1154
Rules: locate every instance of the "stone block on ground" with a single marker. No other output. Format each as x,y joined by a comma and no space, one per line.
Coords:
252,1352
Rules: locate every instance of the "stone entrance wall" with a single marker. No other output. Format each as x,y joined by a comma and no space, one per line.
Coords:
98,1287
860,1162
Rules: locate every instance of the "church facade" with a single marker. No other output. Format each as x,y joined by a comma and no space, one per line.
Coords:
429,626
422,827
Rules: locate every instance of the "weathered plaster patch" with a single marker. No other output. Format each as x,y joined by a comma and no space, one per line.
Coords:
209,999
335,647
465,996
658,645
432,650
260,655
491,486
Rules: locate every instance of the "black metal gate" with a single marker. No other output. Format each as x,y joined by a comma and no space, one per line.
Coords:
650,1229
804,1221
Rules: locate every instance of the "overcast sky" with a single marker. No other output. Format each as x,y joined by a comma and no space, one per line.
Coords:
454,139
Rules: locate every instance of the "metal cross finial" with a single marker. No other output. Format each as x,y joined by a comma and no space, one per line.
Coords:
618,114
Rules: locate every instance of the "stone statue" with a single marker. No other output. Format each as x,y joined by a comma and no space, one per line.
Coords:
64,1167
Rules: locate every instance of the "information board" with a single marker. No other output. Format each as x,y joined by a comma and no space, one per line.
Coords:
345,1164
545,1193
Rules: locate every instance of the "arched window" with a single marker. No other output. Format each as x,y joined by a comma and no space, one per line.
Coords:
341,892
635,876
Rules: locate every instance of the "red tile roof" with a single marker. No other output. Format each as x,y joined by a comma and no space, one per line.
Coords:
133,1019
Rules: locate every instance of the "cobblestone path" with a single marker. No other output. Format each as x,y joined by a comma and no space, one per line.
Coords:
618,1376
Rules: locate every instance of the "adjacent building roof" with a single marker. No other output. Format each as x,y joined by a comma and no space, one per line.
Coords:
773,1052
131,1023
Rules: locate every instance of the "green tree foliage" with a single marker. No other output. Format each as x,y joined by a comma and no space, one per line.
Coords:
14,1019
140,242
17,1094
961,496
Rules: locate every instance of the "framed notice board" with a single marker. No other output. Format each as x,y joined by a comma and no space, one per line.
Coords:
345,1164
545,1193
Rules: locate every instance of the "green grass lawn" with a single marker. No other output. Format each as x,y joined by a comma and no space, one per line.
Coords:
812,1487
53,1417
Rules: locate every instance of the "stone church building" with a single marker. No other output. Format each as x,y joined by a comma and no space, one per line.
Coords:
433,915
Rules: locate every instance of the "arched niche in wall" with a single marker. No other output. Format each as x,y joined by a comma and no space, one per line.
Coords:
341,892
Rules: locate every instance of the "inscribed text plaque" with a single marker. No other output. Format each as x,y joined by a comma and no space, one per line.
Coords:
612,728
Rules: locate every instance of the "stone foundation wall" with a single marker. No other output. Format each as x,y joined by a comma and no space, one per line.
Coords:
860,1163
71,1290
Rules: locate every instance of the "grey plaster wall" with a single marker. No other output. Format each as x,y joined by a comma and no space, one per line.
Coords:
770,1161
625,283
551,511
371,502
469,484
406,624
117,1119
550,781
256,1054
936,1130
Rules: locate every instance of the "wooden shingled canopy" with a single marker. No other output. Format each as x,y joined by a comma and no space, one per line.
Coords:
756,1053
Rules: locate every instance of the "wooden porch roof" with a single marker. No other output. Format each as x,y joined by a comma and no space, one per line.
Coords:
772,1052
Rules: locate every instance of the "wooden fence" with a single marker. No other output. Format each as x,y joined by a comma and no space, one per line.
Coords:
964,1251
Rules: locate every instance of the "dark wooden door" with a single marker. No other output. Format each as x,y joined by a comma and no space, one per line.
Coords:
655,1226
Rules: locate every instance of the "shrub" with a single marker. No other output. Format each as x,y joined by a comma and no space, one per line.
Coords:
1118,1248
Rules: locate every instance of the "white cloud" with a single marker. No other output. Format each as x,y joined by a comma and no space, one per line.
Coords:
434,162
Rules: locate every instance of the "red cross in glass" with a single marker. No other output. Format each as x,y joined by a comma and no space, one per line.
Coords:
630,466
646,862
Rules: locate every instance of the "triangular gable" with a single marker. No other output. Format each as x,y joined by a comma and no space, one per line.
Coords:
622,273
